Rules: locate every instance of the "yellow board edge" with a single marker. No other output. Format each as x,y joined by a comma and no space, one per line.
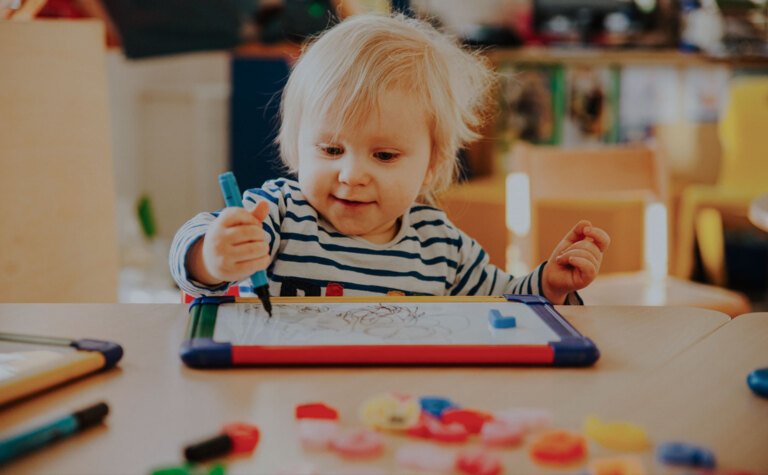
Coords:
70,366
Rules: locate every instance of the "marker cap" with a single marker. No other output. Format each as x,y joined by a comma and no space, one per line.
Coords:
244,437
91,416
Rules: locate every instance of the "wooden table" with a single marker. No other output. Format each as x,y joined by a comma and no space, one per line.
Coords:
159,406
702,395
639,288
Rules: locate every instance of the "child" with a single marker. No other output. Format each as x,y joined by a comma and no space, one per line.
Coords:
373,116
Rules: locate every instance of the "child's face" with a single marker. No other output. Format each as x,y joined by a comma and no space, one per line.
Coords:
366,178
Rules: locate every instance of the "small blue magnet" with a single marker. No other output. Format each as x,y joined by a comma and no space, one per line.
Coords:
497,320
757,381
436,405
686,455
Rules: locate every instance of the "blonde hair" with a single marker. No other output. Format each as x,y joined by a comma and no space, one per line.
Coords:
344,73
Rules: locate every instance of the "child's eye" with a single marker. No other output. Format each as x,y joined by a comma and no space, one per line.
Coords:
386,156
331,150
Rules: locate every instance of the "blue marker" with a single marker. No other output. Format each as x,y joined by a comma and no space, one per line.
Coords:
38,437
232,197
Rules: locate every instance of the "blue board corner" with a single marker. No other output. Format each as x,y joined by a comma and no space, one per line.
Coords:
111,351
575,351
206,353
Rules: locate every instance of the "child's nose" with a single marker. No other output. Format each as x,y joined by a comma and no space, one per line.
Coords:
353,171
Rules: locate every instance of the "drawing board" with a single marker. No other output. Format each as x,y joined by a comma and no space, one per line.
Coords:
30,364
229,331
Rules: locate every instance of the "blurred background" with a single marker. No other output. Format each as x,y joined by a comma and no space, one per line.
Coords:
649,117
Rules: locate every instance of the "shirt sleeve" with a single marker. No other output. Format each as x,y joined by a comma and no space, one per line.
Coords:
194,229
189,233
475,275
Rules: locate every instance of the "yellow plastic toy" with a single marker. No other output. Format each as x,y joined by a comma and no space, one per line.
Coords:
391,411
617,435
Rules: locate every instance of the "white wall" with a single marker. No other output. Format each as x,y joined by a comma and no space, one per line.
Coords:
170,135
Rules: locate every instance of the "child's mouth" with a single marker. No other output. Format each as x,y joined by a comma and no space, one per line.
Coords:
351,203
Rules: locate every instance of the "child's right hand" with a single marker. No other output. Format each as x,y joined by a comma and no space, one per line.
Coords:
234,247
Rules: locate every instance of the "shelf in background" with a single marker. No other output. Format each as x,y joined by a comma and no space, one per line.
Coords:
638,56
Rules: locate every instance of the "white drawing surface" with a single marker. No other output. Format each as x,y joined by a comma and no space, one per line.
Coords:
378,323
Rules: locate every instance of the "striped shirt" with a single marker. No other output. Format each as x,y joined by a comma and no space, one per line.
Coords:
428,256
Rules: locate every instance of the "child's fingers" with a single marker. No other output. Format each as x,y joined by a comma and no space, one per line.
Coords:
234,216
221,242
244,233
261,211
577,232
249,251
599,236
568,256
249,266
231,268
587,245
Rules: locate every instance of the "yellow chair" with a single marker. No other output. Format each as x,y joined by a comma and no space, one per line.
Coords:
743,131
58,237
621,189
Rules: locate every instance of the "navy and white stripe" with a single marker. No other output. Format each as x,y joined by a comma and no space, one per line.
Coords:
429,255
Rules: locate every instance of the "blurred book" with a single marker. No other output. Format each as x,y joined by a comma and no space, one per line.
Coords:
532,103
706,91
648,96
745,32
591,105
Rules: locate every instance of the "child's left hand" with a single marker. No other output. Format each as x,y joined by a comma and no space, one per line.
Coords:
575,262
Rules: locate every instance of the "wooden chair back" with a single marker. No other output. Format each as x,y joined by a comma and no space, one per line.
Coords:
612,186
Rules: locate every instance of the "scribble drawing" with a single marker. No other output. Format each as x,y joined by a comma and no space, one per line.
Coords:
313,309
380,321
423,323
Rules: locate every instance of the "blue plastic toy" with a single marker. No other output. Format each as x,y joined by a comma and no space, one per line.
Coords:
436,405
686,455
757,381
497,320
